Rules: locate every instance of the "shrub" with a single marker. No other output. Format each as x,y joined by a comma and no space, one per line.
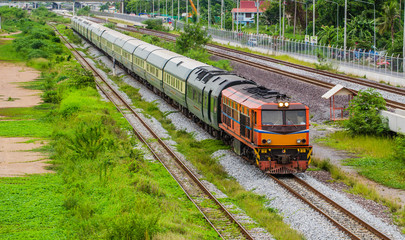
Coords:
399,152
365,115
89,140
155,24
82,78
193,37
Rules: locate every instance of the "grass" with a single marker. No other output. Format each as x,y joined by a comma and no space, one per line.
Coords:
8,53
357,187
378,147
375,159
31,207
199,154
24,113
25,128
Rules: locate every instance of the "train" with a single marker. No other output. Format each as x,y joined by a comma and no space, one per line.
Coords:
260,124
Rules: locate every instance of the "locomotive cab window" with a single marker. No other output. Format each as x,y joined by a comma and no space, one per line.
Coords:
295,117
272,117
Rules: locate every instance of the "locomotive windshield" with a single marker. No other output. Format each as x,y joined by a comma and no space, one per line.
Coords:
288,117
272,117
295,117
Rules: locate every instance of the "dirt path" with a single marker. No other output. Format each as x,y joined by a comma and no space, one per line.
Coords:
16,159
11,93
8,34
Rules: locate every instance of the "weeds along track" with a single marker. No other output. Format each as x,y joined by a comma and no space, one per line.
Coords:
320,83
214,212
347,222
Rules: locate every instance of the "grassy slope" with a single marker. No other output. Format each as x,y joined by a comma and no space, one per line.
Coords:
375,161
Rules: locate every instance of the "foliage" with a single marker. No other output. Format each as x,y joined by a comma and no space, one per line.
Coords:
110,25
364,113
31,207
193,37
390,18
155,24
399,153
84,11
11,18
38,41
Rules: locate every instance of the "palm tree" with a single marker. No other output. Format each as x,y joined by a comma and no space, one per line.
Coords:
327,34
389,18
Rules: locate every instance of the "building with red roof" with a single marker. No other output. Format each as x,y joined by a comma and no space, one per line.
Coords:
247,11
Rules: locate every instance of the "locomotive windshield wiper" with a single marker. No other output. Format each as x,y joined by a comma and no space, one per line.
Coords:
288,120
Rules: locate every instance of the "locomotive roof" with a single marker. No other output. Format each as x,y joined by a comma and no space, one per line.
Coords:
257,97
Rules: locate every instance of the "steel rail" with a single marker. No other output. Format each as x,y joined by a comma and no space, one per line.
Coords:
202,187
376,85
337,206
351,215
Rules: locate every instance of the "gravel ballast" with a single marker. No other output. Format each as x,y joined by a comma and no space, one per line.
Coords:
295,213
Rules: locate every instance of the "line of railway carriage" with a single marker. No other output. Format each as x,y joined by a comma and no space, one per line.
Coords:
261,124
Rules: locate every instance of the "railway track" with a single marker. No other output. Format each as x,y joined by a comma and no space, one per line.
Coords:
214,212
347,222
376,85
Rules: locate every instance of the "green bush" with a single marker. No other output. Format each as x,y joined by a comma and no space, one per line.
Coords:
399,152
155,24
193,37
365,115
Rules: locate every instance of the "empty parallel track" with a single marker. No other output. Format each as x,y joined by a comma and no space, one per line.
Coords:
218,216
347,222
320,83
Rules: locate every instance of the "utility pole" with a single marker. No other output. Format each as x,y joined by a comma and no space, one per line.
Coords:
295,14
178,11
237,15
222,13
279,12
257,17
283,19
403,50
209,14
172,10
344,40
313,16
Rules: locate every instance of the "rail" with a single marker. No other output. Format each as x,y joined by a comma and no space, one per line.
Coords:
160,155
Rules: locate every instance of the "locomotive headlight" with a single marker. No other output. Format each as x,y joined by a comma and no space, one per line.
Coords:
268,141
280,104
298,141
286,104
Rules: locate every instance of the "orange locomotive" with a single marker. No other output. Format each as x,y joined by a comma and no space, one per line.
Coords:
267,128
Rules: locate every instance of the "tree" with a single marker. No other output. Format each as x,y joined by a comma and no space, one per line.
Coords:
360,30
389,19
364,113
193,37
327,34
